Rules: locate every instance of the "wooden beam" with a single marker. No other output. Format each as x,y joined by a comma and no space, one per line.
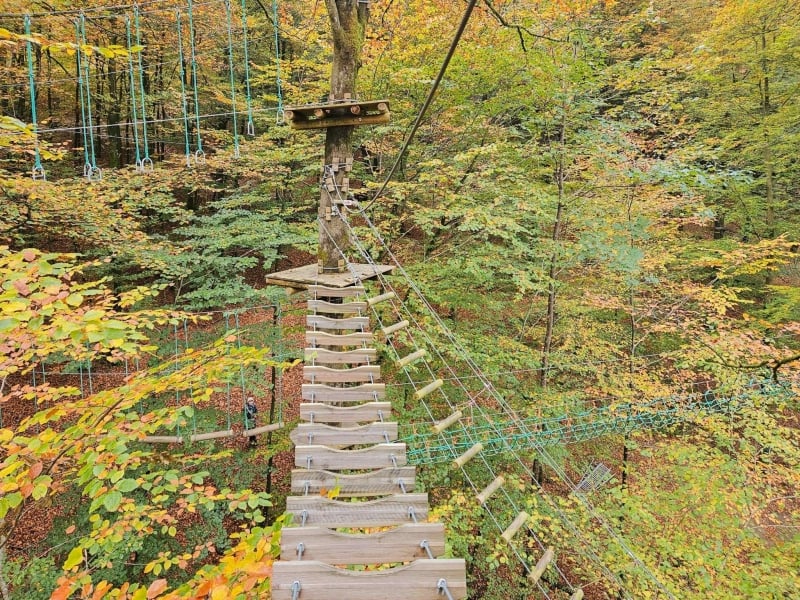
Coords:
336,437
262,429
401,544
346,121
347,415
374,483
319,338
331,459
321,291
383,512
317,374
320,322
360,393
330,308
418,580
347,357
211,435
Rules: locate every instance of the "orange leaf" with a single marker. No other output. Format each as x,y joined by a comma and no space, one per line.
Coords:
158,586
62,592
34,470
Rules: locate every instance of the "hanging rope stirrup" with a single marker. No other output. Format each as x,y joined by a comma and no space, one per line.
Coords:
250,128
38,172
199,155
278,83
134,116
183,90
147,163
236,153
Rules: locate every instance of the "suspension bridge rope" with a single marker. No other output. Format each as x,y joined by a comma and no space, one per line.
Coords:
38,171
183,91
134,116
250,127
236,153
278,82
147,163
199,155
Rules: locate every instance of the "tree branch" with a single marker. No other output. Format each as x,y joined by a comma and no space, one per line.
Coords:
520,28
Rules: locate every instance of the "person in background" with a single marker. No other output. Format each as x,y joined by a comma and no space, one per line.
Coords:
250,414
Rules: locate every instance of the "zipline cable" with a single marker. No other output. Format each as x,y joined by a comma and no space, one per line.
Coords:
199,155
434,87
38,171
147,163
236,153
134,116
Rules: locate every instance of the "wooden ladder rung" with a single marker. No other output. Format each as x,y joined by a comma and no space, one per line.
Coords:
467,456
577,595
333,357
431,387
330,308
321,322
374,483
445,423
394,328
515,526
363,413
262,429
319,338
418,580
321,291
401,544
410,358
490,489
359,393
382,298
328,435
331,459
383,512
318,374
540,567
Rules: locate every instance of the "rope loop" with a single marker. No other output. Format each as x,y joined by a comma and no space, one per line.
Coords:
38,173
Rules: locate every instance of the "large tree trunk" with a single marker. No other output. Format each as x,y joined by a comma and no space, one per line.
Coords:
348,20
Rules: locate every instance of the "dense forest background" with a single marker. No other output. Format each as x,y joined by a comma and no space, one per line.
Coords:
601,203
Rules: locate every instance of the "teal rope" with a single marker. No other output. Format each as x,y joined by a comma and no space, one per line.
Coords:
199,154
233,83
134,116
251,128
94,172
87,167
241,366
191,388
228,412
147,163
38,169
183,92
278,83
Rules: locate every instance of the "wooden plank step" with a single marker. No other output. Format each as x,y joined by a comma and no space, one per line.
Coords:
317,374
331,459
348,357
402,544
330,308
321,322
328,435
319,338
374,483
383,512
359,393
321,291
346,415
418,580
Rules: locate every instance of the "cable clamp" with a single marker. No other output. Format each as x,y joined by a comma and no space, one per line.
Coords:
441,587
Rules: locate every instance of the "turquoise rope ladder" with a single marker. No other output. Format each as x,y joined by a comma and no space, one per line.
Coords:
38,172
147,163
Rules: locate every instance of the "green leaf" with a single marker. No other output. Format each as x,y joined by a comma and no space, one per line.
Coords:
127,485
74,559
112,500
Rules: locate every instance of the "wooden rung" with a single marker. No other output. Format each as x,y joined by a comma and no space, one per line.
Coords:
401,544
407,360
320,322
538,570
431,387
328,435
330,308
321,291
418,580
348,415
211,435
319,338
318,374
382,298
577,595
383,512
360,393
491,489
162,439
333,357
515,526
445,423
262,429
467,456
394,328
374,483
331,459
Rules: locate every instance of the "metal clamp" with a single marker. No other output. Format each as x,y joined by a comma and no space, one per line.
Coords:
441,587
301,547
296,590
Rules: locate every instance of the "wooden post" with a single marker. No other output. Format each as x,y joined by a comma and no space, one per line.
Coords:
348,19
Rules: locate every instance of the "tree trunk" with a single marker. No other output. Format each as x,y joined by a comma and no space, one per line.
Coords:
348,19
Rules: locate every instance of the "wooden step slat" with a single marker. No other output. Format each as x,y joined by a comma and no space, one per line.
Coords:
317,374
321,291
418,580
331,357
374,483
320,322
383,512
363,413
402,544
360,393
331,308
331,459
336,437
319,338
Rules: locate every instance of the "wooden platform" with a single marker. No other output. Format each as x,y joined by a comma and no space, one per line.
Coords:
300,278
338,113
